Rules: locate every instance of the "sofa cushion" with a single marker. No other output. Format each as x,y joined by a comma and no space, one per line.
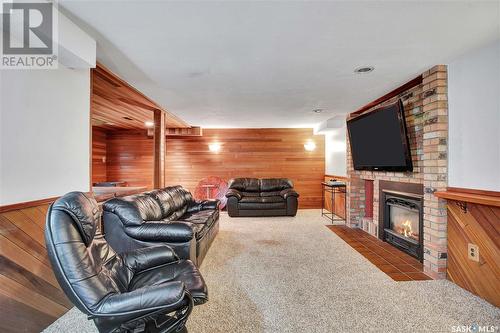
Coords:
269,199
250,194
245,184
148,206
174,201
270,194
165,199
201,217
182,197
275,184
251,199
176,215
275,202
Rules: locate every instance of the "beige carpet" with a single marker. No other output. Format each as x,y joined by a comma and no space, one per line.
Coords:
294,275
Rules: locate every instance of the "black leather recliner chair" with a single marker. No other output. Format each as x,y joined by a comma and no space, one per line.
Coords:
261,197
167,216
149,289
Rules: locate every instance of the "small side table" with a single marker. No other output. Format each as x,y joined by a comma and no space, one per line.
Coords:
208,188
334,189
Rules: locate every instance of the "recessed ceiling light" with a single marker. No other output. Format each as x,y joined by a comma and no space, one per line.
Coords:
318,110
149,123
364,70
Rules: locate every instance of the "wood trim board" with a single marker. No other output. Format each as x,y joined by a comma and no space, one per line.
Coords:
399,90
477,197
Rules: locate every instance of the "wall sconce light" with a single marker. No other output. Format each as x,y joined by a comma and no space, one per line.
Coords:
309,146
214,147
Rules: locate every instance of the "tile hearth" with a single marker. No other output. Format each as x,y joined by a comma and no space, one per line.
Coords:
396,264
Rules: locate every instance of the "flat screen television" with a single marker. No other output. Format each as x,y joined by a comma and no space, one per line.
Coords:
379,140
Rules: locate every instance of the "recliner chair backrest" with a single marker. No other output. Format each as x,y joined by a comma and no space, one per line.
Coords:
84,264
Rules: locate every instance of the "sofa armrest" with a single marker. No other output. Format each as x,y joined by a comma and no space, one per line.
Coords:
196,206
162,231
210,204
149,257
289,192
234,193
166,296
126,211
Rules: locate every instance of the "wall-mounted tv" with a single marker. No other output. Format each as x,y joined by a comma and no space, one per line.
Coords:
379,140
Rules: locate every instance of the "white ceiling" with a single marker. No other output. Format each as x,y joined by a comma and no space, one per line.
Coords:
269,64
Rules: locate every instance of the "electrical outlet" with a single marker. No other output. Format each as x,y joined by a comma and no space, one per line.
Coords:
473,252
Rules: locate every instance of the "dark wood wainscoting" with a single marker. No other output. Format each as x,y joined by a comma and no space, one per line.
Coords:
479,225
30,297
474,217
250,153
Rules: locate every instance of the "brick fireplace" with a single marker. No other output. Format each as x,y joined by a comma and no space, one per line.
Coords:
426,111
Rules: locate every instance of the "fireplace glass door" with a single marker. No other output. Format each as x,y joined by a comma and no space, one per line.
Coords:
404,221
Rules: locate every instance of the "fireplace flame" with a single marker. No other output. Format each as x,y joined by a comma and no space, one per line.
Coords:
407,228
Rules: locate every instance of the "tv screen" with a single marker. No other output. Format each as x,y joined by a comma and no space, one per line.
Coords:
379,140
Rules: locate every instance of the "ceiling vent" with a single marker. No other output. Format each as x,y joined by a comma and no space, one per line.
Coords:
364,70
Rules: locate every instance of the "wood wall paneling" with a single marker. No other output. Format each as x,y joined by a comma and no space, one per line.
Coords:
480,225
130,158
256,153
99,154
30,297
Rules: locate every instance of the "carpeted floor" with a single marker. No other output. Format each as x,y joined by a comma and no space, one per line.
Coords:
294,275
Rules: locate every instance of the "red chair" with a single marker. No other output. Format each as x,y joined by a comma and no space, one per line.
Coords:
212,187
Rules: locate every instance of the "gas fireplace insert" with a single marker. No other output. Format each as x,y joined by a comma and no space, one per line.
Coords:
403,222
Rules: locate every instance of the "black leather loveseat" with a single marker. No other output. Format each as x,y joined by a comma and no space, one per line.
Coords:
261,197
168,216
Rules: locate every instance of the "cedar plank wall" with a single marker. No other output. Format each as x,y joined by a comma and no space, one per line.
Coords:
130,158
479,225
260,153
99,151
30,297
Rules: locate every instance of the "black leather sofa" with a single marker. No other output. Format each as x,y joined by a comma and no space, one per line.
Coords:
168,216
261,197
146,290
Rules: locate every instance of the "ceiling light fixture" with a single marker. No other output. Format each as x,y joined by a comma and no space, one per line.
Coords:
318,110
214,147
364,70
149,124
309,146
